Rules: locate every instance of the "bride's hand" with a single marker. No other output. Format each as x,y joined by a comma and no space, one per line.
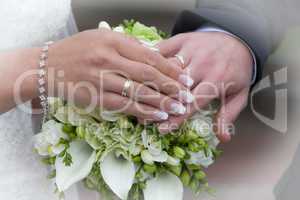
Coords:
102,61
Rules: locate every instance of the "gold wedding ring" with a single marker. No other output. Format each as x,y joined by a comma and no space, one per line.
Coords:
126,88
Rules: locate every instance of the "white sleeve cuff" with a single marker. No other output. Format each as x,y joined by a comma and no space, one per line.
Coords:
217,29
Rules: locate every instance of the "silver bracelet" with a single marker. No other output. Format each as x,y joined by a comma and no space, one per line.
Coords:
42,79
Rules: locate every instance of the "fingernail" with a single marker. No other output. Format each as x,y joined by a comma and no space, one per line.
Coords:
186,96
186,80
161,115
154,49
178,108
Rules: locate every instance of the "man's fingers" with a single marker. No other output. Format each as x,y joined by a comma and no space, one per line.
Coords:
228,113
172,46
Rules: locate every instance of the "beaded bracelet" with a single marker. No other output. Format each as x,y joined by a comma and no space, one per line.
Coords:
42,79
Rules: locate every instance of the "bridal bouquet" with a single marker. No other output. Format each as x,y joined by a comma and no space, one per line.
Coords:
118,157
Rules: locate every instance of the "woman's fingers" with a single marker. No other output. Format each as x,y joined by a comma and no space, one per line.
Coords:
117,103
145,74
143,94
133,50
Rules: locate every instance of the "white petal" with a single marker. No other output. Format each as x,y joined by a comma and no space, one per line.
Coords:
165,186
119,29
118,174
83,158
110,116
62,114
41,144
48,125
104,24
147,157
173,161
162,157
200,158
57,149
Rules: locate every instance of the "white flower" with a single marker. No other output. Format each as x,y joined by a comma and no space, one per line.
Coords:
118,174
149,158
83,158
47,142
165,186
119,29
200,158
104,24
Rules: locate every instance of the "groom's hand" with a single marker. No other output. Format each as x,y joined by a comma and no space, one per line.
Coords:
221,67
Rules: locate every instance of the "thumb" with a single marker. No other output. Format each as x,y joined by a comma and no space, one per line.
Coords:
171,46
228,113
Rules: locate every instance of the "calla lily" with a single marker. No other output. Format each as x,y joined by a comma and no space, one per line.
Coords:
118,174
165,186
83,158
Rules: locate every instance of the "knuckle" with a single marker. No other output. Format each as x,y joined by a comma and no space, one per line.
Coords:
99,57
149,74
151,58
142,91
171,88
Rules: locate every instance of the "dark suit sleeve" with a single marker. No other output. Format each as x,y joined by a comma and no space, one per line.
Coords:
247,26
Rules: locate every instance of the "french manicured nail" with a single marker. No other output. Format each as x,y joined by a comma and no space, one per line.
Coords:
178,108
186,80
154,49
161,115
186,96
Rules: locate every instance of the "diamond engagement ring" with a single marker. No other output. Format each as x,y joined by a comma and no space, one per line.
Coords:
126,87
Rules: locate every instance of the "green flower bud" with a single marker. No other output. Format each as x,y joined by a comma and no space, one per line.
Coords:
185,178
80,132
124,123
181,138
150,168
138,175
68,128
142,185
194,185
175,169
137,159
199,175
194,147
200,141
193,167
179,152
191,135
